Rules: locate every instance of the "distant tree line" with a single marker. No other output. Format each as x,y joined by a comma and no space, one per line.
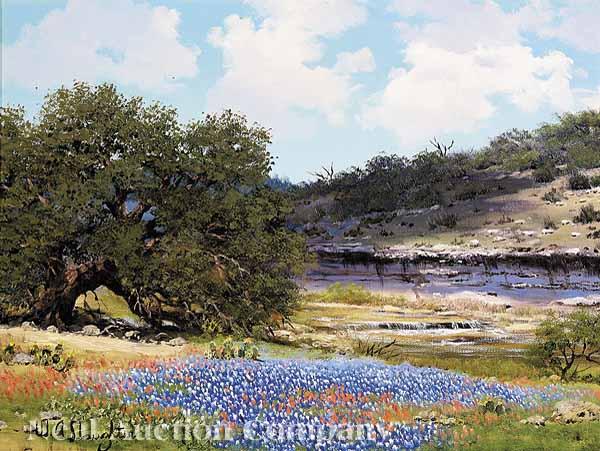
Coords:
389,182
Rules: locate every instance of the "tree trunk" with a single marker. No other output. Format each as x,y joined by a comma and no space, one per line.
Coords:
56,303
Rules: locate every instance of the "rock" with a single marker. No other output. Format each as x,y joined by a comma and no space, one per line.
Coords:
3,425
179,341
74,328
428,415
572,251
52,329
474,243
498,239
132,335
90,330
4,326
520,221
50,415
566,222
492,231
161,336
547,231
29,325
20,358
169,324
529,233
575,234
569,412
536,420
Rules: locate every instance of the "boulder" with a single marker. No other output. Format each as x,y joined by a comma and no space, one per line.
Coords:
161,336
28,325
20,358
3,425
569,412
132,335
474,243
536,420
52,329
91,330
179,341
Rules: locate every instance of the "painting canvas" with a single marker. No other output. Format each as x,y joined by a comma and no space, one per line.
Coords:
300,225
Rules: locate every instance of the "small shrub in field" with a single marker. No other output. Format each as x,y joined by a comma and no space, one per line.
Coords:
231,350
545,174
587,215
472,191
448,220
552,196
579,181
568,344
595,180
549,223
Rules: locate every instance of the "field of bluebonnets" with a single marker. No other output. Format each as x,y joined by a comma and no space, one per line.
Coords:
311,398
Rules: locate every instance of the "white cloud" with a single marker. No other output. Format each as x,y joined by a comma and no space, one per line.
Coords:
102,40
456,66
575,23
351,62
590,99
272,69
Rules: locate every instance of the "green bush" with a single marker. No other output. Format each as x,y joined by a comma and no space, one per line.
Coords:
568,345
545,173
587,215
552,196
579,181
447,220
233,350
595,180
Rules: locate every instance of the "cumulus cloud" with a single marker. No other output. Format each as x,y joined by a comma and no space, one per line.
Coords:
590,99
457,64
575,23
96,40
272,68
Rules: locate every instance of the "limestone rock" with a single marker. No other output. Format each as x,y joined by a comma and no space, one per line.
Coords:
179,341
536,420
28,325
20,358
91,330
52,329
132,335
569,412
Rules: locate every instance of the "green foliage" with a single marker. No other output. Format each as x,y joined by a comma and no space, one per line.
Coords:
587,214
176,218
579,181
491,405
545,173
55,358
552,196
7,353
472,191
349,293
568,345
447,220
232,350
595,180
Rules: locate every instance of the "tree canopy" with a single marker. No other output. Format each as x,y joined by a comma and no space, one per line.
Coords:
102,189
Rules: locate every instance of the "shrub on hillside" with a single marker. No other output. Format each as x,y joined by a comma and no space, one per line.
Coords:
552,196
587,215
545,174
579,181
595,180
448,220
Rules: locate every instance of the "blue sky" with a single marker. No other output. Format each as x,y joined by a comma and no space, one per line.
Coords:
337,80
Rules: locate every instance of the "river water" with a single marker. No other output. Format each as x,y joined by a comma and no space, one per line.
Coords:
516,283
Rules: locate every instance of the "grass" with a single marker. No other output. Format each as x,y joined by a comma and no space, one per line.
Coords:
352,294
508,434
